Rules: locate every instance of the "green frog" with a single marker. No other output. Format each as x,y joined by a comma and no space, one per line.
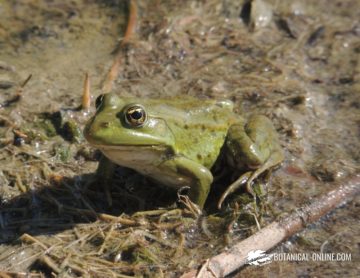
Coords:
176,141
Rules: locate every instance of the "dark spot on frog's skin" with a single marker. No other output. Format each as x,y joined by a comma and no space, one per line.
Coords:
186,127
213,133
199,156
203,128
105,124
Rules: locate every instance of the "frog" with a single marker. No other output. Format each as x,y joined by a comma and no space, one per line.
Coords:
176,141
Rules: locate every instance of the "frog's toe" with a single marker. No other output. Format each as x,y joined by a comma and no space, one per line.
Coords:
275,159
249,188
234,186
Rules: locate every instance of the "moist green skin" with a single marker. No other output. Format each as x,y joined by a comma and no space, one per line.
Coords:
180,140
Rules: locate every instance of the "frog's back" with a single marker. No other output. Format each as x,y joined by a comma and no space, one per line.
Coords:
199,126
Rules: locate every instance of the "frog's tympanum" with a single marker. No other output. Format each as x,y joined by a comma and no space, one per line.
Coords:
176,141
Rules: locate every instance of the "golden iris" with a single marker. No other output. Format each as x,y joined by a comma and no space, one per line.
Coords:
135,115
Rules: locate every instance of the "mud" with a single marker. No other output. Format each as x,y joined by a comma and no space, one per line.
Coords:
295,61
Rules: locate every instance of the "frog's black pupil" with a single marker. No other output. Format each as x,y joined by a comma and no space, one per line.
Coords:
136,115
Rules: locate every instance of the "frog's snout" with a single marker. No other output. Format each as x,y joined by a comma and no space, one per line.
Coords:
93,127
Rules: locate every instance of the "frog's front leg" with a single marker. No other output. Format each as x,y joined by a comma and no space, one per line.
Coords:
104,176
201,178
255,145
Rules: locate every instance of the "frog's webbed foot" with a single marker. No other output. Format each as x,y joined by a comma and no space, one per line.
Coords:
248,177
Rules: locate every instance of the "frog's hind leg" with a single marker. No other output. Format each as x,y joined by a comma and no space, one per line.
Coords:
248,177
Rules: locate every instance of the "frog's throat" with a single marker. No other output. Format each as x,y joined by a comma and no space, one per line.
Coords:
144,159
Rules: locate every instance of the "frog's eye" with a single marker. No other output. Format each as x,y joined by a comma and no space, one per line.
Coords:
99,101
135,115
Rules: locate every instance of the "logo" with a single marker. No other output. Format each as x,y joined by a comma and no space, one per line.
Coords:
258,257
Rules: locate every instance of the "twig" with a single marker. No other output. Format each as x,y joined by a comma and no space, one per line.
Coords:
101,216
18,93
24,83
108,235
19,184
86,99
6,274
30,239
130,29
65,262
117,219
278,231
50,263
133,10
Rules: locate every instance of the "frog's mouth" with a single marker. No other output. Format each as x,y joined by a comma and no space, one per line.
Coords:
128,147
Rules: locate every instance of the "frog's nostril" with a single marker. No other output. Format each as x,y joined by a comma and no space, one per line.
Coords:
105,124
